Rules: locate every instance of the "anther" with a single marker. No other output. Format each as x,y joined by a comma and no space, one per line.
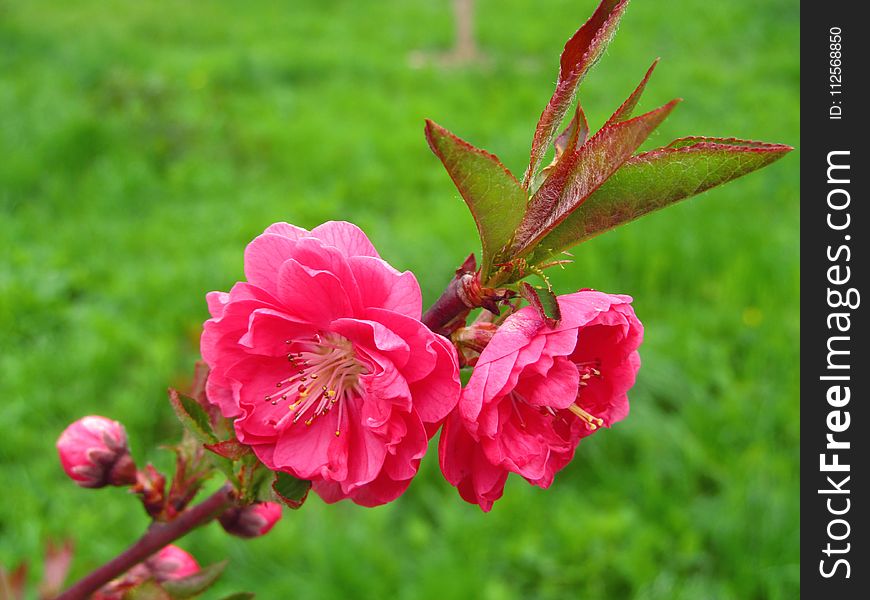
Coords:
592,422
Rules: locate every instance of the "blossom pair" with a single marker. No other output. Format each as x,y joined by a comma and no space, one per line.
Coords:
323,363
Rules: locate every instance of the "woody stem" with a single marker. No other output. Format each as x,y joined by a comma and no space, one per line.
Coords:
156,537
452,304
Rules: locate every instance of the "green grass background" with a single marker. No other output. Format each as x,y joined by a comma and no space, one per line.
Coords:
143,144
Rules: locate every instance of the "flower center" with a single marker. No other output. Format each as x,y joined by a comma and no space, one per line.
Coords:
587,370
325,374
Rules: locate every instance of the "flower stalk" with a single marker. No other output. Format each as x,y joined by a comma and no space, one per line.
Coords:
156,537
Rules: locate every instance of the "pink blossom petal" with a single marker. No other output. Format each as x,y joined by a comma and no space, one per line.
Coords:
555,389
438,394
315,255
345,236
384,287
286,230
374,335
465,465
403,462
309,295
365,452
217,301
263,259
303,450
269,330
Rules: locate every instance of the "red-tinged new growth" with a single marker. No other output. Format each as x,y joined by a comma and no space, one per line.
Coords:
93,452
595,182
251,521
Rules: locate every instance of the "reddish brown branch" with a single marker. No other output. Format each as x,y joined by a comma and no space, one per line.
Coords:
157,536
454,304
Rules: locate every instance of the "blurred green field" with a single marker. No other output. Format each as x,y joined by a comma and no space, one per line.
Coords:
142,145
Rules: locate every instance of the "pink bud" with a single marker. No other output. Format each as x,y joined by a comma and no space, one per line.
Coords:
251,521
93,452
167,564
171,563
470,341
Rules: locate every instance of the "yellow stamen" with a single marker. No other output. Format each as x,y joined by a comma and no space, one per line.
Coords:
592,422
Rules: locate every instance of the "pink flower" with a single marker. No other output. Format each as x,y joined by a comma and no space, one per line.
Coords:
321,359
251,521
93,452
537,391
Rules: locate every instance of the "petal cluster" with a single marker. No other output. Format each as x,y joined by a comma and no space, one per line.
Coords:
536,391
322,361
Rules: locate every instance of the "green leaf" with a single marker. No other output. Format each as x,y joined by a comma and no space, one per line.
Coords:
495,198
544,301
195,584
578,174
290,490
653,180
150,590
192,416
255,479
239,596
581,52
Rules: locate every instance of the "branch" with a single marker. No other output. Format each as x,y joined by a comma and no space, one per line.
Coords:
156,537
454,304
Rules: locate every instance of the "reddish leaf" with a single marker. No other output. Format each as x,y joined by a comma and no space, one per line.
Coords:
231,449
580,173
623,113
580,54
58,558
544,301
655,179
574,136
494,196
13,585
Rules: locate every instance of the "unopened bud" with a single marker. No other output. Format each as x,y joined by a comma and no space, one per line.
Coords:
171,563
251,521
93,452
167,564
151,488
470,341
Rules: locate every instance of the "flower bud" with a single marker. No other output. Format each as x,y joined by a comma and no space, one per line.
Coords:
93,452
470,341
167,564
251,521
171,563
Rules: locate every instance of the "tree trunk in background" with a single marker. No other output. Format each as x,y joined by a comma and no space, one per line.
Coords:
465,49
